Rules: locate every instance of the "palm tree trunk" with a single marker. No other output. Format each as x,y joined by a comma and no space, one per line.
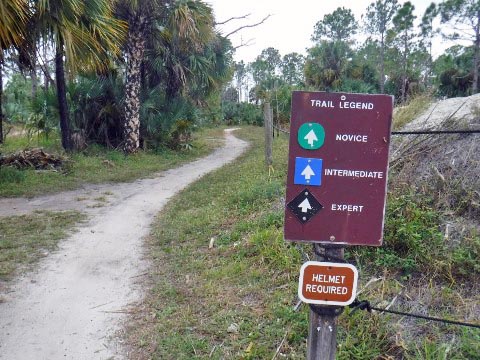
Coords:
62,98
135,52
1,103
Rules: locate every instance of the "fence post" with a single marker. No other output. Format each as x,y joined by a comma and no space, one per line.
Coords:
322,329
1,103
267,118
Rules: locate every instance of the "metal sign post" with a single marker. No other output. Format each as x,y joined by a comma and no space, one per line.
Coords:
323,319
336,190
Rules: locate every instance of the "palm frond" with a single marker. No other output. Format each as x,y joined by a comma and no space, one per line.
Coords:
92,36
14,15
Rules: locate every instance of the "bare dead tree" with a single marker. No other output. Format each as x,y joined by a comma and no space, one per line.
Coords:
243,43
247,26
233,18
242,17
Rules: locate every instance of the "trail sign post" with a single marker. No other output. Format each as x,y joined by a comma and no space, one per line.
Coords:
336,190
339,149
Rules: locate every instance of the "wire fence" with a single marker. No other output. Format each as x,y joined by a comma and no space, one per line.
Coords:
416,132
365,304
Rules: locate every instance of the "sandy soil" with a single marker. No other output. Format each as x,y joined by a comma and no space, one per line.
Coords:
460,109
74,304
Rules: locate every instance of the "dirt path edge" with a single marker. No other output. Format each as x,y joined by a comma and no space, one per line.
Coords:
71,307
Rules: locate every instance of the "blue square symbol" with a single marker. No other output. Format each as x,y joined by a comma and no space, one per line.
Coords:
308,171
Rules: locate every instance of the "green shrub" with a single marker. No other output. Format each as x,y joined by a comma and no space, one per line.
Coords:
242,113
412,239
464,258
414,243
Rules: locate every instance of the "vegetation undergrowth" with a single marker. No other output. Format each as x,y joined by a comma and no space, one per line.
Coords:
414,243
24,239
224,282
96,164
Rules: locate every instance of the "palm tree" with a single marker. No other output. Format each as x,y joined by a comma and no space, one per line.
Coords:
141,16
185,25
189,33
85,34
14,15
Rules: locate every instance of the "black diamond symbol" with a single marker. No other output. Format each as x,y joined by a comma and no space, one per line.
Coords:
305,206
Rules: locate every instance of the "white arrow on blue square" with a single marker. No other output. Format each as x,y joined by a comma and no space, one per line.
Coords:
308,171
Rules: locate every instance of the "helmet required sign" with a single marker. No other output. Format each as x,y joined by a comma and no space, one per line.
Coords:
327,283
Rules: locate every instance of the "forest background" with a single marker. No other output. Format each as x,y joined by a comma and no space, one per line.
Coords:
146,73
116,87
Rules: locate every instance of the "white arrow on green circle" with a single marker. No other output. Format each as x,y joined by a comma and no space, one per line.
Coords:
311,137
305,205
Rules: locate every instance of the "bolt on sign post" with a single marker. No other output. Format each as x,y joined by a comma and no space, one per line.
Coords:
336,191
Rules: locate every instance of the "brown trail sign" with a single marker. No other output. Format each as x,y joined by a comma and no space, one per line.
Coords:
336,190
337,168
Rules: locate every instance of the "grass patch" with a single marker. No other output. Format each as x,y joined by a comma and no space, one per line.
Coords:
415,244
24,239
96,165
236,300
10,175
20,142
217,298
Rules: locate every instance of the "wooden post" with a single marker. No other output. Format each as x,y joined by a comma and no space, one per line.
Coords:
273,123
267,118
277,121
322,330
1,102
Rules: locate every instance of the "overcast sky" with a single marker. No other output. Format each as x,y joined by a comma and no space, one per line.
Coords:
291,25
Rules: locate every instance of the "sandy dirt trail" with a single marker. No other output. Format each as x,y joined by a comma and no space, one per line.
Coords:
72,306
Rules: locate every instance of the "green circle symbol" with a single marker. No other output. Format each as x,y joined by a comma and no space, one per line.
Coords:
311,136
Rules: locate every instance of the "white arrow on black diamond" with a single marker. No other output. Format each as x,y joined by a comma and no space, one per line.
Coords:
305,205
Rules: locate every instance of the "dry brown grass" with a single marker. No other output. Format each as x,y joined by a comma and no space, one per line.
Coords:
402,115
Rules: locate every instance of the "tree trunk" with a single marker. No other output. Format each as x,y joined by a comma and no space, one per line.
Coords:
382,65
62,98
1,103
47,78
135,52
33,71
33,75
476,55
173,85
46,83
